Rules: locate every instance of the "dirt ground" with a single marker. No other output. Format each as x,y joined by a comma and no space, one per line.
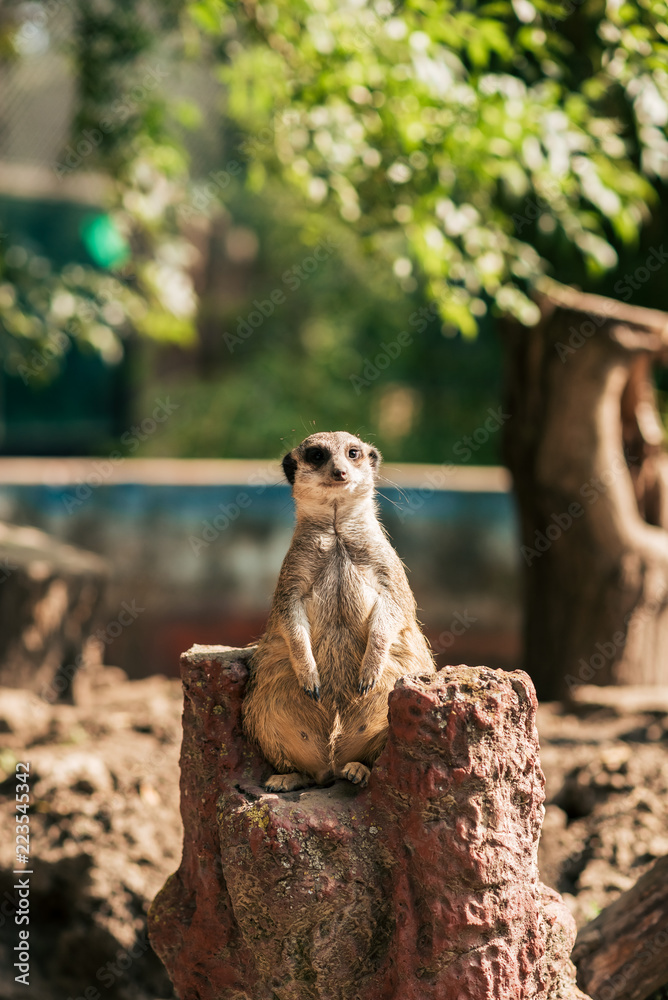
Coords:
606,817
106,832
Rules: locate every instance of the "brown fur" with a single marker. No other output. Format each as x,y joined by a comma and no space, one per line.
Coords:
342,627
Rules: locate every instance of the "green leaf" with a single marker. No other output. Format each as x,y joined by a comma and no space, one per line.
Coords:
207,15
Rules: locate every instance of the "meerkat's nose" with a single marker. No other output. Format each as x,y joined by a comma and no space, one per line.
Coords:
339,474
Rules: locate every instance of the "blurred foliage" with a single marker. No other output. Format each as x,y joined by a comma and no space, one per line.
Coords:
457,150
124,127
450,134
345,347
43,309
43,313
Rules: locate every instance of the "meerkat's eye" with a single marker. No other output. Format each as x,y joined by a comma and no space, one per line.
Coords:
353,453
315,456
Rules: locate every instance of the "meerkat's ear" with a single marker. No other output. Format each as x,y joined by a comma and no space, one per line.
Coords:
375,458
289,467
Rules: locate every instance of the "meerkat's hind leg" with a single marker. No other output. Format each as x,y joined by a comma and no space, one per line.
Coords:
288,782
355,772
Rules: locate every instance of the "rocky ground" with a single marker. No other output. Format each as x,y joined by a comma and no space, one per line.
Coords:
606,820
106,832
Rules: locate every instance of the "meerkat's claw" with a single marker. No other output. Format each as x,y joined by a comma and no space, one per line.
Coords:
313,693
355,772
364,688
287,782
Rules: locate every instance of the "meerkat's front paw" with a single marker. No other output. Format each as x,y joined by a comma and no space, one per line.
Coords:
311,685
287,782
355,772
369,675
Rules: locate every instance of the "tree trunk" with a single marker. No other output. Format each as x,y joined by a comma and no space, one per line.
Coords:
422,886
50,594
623,954
584,443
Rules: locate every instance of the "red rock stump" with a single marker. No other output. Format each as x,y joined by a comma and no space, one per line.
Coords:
423,886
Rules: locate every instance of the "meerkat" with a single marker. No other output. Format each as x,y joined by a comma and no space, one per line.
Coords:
342,627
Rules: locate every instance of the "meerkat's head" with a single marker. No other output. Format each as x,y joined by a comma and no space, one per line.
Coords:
332,467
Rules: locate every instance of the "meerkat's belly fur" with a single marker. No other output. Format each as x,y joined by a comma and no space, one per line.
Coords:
342,627
319,739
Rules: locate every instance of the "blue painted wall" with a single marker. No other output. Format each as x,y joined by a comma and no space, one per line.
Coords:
201,562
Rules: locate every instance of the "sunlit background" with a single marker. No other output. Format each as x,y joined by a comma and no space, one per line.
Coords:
201,258
224,226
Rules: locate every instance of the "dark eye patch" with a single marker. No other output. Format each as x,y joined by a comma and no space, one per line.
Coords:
289,468
316,456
